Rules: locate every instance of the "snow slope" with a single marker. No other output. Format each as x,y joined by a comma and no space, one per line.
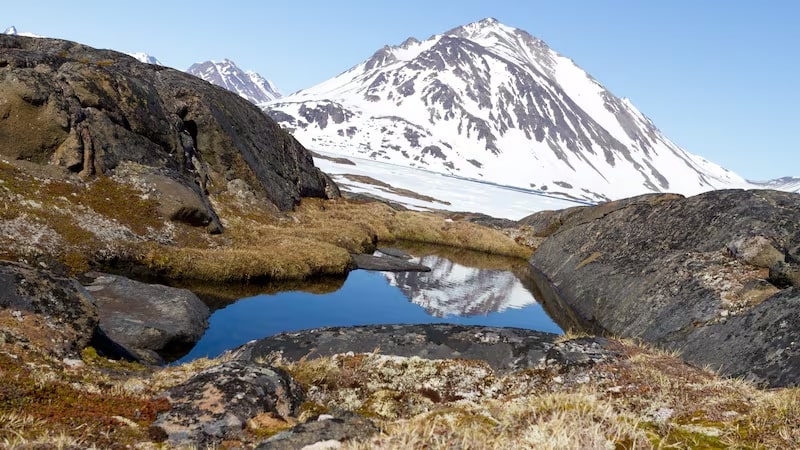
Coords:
493,103
446,192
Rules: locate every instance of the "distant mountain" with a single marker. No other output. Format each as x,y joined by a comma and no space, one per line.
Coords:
451,289
491,102
789,184
247,84
12,30
145,58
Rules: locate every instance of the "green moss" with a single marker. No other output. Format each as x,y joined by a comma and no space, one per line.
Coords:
91,358
669,436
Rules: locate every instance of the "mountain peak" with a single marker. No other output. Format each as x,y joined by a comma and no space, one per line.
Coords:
491,102
12,30
145,58
248,84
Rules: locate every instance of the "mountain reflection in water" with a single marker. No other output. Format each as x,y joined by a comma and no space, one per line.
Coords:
453,292
452,289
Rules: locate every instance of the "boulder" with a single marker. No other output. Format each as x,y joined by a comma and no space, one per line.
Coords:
690,274
65,305
148,319
91,111
217,403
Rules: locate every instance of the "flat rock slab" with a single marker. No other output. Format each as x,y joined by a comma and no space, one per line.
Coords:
395,252
386,264
504,349
327,432
216,404
148,318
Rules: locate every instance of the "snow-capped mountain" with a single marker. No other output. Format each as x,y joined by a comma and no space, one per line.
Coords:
492,102
145,58
788,184
451,289
247,84
12,30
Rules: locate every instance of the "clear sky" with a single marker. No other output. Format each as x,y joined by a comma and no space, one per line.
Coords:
719,78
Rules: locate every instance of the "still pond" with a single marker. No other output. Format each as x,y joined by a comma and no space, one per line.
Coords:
462,287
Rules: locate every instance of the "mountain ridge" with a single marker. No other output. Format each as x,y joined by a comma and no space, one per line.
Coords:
492,102
248,84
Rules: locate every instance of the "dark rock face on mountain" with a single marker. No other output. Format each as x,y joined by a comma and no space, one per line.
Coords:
65,305
148,318
93,112
712,276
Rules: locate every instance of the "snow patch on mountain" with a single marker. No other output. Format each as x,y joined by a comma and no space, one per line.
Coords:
248,84
490,102
12,30
145,58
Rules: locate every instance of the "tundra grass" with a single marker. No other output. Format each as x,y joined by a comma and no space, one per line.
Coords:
89,224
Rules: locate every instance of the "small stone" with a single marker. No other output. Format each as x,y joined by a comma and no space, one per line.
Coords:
582,379
73,363
324,417
558,380
724,313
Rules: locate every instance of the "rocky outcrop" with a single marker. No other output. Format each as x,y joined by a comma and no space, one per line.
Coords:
504,349
217,403
704,275
93,111
148,319
64,304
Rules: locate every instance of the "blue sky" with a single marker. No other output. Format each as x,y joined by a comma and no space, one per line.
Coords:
718,78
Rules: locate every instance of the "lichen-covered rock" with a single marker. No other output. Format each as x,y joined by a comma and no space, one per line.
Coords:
217,403
503,349
326,432
90,110
678,271
148,318
63,302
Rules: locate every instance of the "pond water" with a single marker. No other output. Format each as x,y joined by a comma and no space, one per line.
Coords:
462,288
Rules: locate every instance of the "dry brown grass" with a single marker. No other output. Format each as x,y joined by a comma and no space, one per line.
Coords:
647,399
315,240
86,224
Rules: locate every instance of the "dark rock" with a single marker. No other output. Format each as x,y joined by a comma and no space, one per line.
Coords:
386,263
394,252
216,404
148,318
504,349
762,345
97,110
545,223
64,303
332,430
672,271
